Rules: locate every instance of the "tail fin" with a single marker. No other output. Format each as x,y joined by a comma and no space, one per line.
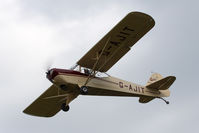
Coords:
158,83
154,77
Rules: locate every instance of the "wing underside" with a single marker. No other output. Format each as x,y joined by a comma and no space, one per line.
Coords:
49,103
117,42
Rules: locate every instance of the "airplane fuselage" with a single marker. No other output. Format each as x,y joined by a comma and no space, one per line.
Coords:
104,86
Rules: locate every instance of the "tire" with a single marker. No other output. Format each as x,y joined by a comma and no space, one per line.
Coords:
63,87
65,107
84,90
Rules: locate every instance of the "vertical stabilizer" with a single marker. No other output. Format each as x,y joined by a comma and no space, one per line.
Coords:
154,77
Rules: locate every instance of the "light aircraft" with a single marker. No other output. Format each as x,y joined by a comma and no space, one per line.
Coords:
83,78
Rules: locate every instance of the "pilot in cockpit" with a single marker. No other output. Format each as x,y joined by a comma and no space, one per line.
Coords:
87,71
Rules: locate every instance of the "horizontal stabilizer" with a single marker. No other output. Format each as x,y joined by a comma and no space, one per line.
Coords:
162,84
145,99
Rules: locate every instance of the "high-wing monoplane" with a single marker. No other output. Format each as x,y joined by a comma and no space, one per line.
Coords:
84,79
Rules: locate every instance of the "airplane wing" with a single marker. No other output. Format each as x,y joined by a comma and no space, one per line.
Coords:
49,103
117,42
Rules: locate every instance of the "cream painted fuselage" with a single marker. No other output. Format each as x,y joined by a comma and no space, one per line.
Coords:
101,86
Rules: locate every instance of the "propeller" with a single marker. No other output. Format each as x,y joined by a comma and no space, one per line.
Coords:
48,66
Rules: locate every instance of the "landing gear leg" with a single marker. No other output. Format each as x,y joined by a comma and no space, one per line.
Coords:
65,107
167,102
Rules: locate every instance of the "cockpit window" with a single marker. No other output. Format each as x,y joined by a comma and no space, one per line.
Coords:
100,74
51,72
87,71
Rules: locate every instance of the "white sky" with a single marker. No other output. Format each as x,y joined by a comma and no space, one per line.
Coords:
36,33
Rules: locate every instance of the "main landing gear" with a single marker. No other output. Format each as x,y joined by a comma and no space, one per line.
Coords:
65,107
83,90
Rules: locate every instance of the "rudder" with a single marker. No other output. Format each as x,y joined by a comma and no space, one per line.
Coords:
154,77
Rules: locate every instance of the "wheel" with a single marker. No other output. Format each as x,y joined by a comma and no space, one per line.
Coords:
65,107
84,90
63,87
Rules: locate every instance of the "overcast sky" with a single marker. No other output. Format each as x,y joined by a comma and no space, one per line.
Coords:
37,33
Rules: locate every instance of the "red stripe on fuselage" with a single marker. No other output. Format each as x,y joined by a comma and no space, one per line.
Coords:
57,71
72,73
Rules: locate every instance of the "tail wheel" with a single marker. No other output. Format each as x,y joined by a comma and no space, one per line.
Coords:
84,90
65,107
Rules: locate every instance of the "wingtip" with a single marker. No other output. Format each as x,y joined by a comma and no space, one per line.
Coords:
25,111
152,21
173,77
36,115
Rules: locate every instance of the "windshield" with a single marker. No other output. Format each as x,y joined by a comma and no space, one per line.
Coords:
88,71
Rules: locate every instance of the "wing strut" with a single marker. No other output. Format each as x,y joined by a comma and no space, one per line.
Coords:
94,66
